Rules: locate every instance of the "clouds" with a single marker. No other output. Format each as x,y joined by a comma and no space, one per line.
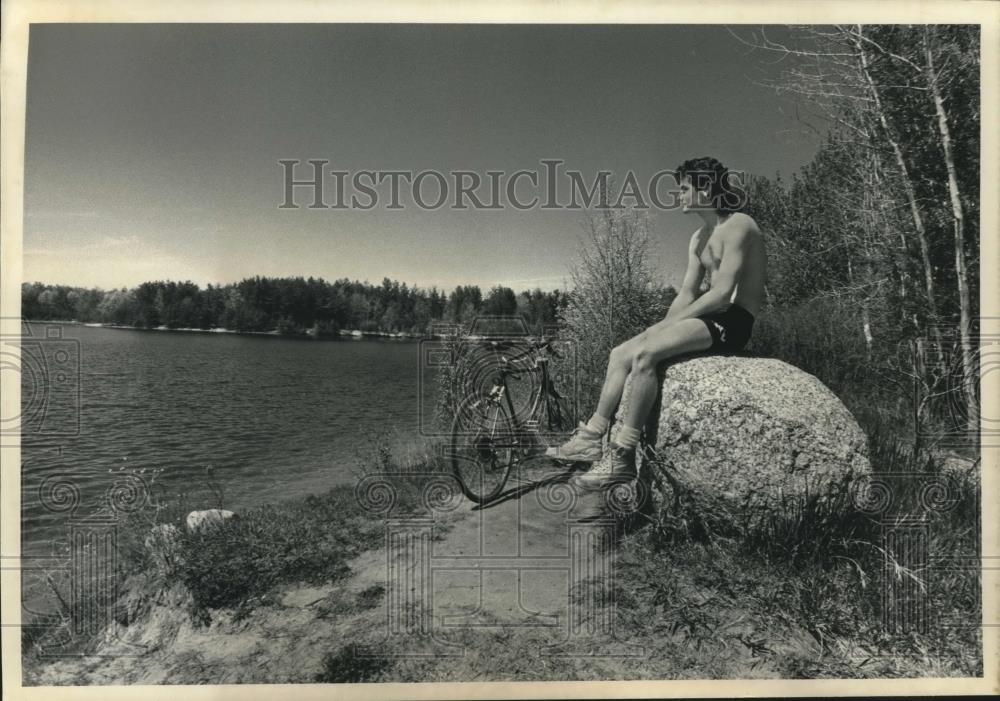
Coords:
110,262
104,245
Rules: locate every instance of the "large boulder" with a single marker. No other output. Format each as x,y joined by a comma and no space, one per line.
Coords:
749,432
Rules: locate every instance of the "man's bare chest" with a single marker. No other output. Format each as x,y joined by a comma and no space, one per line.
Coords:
710,253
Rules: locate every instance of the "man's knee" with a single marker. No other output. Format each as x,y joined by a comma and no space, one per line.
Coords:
643,360
622,354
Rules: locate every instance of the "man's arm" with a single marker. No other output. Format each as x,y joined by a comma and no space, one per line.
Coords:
692,281
723,282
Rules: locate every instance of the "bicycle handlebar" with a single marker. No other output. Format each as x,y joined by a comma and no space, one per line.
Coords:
531,347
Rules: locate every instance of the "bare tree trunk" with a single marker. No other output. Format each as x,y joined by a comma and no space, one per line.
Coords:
866,326
918,221
904,246
958,219
869,231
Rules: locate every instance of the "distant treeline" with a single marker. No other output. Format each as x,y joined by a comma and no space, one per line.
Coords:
289,305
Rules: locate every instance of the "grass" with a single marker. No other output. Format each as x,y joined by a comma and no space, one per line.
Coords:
844,560
820,568
238,561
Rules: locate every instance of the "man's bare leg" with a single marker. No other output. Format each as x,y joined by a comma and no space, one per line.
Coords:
651,348
585,443
677,338
620,364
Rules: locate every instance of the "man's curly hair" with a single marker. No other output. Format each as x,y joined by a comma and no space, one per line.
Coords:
708,173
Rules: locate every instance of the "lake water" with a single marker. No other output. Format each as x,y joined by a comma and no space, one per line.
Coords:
273,417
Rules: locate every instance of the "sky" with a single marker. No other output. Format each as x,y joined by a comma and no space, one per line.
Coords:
152,151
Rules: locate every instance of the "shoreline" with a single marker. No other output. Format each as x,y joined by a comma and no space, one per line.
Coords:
343,333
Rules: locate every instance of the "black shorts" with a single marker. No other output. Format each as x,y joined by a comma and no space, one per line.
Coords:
730,329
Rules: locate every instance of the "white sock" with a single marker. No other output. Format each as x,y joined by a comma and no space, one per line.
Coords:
628,437
598,424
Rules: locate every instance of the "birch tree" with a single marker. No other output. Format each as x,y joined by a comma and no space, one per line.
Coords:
894,90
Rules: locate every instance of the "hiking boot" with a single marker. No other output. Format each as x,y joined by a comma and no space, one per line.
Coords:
583,446
617,465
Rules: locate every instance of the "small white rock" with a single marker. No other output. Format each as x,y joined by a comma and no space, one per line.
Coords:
198,519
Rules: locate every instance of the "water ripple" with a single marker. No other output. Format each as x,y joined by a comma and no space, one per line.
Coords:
270,416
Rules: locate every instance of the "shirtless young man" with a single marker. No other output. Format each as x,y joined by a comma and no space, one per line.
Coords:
730,248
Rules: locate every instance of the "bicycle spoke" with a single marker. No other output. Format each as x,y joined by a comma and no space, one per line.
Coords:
482,452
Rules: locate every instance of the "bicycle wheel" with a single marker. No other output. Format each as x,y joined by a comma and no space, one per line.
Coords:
483,445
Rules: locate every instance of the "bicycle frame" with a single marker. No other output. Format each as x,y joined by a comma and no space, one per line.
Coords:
542,394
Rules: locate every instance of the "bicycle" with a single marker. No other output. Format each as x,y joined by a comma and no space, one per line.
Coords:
488,438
